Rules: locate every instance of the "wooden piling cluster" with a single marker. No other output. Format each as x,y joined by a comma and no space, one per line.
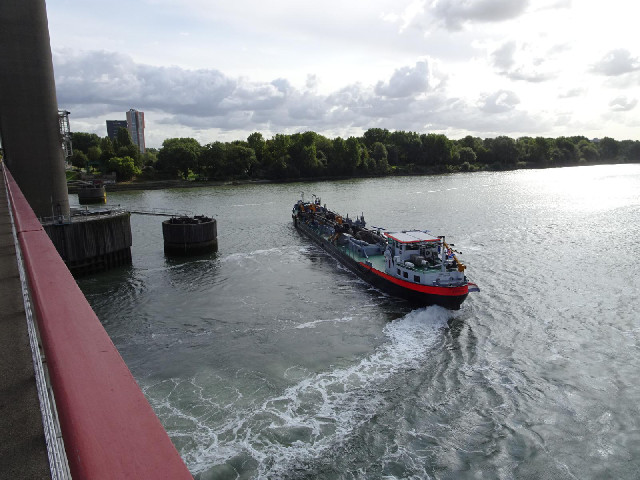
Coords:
190,235
89,244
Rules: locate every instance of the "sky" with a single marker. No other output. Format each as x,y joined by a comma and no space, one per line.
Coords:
220,70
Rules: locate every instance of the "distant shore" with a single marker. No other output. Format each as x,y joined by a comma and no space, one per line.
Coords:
165,184
176,183
150,184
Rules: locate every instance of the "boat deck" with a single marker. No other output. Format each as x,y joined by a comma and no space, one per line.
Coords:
378,261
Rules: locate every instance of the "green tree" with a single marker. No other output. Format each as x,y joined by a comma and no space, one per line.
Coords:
337,159
324,149
630,150
239,161
503,152
212,159
257,143
106,147
564,152
94,155
478,146
353,155
437,150
79,159
84,141
130,151
467,155
380,158
375,135
303,155
179,156
276,156
409,147
124,167
588,151
149,158
537,151
379,152
608,148
123,138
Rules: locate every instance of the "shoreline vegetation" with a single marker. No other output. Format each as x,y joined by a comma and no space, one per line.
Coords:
308,156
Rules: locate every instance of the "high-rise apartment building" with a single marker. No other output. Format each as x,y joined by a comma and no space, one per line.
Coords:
113,126
135,124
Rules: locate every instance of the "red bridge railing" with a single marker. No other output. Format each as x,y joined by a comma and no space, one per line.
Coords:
109,429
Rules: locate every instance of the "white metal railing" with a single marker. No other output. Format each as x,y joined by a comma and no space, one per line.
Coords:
162,212
80,213
58,463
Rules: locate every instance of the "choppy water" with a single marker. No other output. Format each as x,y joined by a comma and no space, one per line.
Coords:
269,360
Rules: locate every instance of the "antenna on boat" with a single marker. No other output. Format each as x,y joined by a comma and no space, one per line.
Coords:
302,196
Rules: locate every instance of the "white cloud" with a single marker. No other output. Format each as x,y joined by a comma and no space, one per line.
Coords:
623,104
484,67
405,82
455,13
503,57
499,102
617,62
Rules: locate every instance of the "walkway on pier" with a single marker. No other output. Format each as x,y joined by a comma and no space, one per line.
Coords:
108,426
23,452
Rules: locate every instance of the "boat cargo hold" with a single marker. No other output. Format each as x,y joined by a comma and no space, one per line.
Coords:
411,264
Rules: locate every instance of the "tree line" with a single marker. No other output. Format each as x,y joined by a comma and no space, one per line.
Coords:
311,155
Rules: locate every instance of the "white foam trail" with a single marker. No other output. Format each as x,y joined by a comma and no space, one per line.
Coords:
275,251
319,411
315,323
252,204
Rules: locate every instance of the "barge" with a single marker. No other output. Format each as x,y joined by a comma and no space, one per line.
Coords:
411,264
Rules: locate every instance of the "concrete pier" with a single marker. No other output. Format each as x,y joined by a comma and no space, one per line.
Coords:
23,452
190,235
92,194
94,242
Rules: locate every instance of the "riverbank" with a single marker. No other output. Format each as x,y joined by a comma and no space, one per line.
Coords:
176,183
165,184
154,184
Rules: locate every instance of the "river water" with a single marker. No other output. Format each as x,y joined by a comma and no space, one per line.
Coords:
270,360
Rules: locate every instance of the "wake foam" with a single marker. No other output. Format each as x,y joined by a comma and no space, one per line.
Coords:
282,252
318,412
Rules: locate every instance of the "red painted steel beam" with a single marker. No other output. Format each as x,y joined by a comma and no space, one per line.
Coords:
109,429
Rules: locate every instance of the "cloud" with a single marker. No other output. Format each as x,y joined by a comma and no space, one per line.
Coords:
534,76
499,102
572,93
405,82
178,101
616,62
520,64
623,104
503,57
455,13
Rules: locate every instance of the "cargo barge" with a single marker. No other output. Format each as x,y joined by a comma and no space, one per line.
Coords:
411,264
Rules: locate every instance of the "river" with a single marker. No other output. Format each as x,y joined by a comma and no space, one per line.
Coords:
270,360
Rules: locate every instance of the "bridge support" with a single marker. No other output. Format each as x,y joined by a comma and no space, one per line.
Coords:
29,125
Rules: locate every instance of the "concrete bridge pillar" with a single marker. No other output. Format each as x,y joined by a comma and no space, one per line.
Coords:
29,126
